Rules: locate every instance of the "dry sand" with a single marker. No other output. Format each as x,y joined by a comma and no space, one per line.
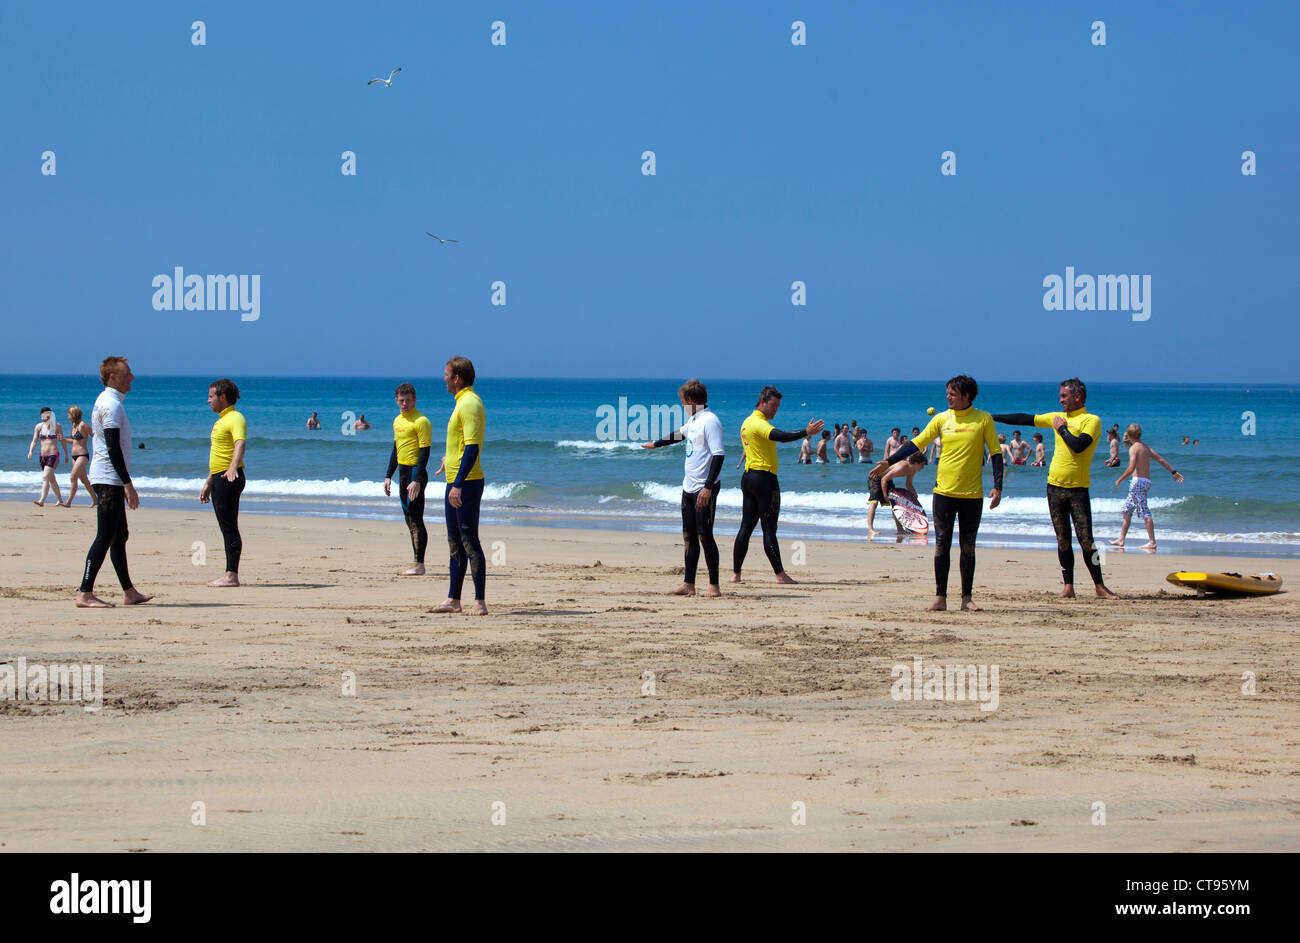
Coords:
770,696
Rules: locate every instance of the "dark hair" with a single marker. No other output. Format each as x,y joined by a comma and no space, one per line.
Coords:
1075,386
767,393
461,367
404,389
694,392
964,385
916,428
895,429
226,388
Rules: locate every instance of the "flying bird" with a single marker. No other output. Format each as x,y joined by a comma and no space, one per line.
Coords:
440,239
385,82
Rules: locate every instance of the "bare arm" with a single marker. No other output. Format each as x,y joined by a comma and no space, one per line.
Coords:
1132,464
35,433
1160,458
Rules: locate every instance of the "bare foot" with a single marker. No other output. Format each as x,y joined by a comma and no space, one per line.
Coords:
417,570
686,589
713,590
968,606
447,605
1068,592
91,601
786,579
65,504
133,597
940,604
1117,542
1104,593
871,533
735,577
39,504
480,608
1147,547
230,579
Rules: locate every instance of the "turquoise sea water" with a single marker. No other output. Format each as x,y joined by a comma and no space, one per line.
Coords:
546,459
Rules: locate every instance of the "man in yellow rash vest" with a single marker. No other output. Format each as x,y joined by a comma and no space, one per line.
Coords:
760,491
225,481
465,483
964,433
412,440
1077,434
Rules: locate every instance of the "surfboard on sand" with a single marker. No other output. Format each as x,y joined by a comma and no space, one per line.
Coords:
908,511
1259,584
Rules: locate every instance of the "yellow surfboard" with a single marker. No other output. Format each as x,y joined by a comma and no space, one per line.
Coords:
1260,584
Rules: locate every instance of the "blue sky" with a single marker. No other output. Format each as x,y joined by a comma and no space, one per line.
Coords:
774,163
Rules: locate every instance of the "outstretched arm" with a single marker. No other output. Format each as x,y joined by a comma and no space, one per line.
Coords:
1014,419
671,439
1159,458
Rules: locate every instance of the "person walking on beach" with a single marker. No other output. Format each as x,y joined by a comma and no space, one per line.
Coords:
958,483
79,443
226,479
464,496
110,479
412,442
1139,466
50,436
759,488
1068,478
702,433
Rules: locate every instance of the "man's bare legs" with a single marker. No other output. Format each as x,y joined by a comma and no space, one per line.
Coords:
1123,531
1151,535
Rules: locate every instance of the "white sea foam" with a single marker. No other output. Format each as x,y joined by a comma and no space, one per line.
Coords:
609,446
267,488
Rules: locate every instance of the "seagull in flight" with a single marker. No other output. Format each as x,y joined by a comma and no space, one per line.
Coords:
387,83
440,239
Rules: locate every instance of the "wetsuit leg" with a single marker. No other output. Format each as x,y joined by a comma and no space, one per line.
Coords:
225,504
748,520
969,512
1081,513
769,511
704,527
462,540
1059,507
690,536
110,537
945,516
413,511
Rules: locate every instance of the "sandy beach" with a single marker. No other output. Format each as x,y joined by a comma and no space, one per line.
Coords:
770,697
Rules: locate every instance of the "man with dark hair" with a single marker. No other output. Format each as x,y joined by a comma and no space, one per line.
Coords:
702,433
759,488
110,477
225,481
958,482
465,484
412,440
1068,479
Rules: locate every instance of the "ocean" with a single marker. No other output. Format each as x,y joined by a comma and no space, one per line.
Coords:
550,459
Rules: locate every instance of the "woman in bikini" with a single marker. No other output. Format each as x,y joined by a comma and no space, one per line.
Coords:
79,442
49,433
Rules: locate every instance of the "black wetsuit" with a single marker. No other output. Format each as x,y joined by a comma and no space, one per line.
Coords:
761,504
111,531
413,508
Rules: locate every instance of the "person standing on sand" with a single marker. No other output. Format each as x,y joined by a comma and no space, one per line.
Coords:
1139,466
226,480
412,442
958,482
50,435
465,484
110,478
1077,433
702,433
759,487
